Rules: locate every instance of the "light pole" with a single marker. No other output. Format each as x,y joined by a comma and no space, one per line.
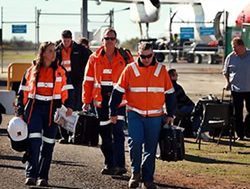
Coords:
85,18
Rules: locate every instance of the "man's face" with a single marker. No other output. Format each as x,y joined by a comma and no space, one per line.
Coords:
238,49
109,40
146,56
174,76
66,42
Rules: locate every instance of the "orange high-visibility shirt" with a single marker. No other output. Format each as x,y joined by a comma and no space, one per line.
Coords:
145,88
99,72
66,62
45,82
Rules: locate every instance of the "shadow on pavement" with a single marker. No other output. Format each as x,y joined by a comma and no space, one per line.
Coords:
170,186
12,167
54,187
13,158
199,159
68,163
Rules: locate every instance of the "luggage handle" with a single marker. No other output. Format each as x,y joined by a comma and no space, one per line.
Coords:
167,126
223,95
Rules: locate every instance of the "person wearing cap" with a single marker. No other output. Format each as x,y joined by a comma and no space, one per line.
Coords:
102,72
43,89
73,57
147,87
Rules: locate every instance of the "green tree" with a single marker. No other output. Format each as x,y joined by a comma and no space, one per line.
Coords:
131,44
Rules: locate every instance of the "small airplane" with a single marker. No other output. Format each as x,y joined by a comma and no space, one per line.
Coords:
147,11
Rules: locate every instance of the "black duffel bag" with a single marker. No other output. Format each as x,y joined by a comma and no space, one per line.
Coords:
87,129
171,143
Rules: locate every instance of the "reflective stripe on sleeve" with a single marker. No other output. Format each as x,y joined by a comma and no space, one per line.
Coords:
67,87
120,89
88,78
24,88
102,123
57,96
169,91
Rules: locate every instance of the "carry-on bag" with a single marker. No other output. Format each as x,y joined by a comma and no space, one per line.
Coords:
171,143
87,129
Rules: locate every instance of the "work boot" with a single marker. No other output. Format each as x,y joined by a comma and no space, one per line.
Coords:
120,170
42,182
148,185
108,171
30,181
134,180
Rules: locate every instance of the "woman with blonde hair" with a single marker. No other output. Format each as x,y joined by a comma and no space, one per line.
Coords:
44,88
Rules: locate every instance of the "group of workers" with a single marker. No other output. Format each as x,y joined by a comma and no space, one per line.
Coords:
68,74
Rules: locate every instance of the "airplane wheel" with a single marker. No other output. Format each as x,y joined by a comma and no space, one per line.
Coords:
190,58
160,57
211,59
197,59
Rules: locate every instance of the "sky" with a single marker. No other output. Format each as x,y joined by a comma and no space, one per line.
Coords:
52,26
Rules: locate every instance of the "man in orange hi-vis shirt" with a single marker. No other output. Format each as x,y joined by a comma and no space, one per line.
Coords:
147,87
101,74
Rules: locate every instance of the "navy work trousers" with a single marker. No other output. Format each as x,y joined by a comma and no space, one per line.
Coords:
41,140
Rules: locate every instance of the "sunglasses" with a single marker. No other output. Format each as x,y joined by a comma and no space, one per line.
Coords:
146,56
109,38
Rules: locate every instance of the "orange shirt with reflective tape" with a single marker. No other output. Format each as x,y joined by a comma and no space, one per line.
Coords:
66,61
146,91
99,70
45,83
60,82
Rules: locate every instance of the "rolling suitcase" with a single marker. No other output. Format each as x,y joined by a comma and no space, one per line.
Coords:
87,132
171,143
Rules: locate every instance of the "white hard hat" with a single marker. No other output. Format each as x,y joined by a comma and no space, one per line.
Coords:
17,129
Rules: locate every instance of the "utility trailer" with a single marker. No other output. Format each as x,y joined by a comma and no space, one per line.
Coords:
200,53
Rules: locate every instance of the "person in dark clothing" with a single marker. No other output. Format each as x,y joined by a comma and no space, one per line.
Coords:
185,108
73,57
85,42
185,105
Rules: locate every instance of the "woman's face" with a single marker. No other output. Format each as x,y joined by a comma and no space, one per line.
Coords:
49,55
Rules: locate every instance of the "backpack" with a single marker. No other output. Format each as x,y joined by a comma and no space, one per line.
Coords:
125,54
